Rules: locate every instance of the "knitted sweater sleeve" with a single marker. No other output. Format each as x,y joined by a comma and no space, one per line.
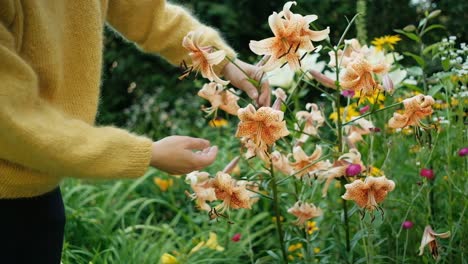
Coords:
36,135
158,26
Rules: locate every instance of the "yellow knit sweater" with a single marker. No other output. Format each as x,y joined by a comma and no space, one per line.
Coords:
50,68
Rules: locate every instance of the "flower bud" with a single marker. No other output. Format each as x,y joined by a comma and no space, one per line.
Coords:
463,152
353,170
407,224
388,84
427,173
324,80
409,28
236,237
364,109
348,93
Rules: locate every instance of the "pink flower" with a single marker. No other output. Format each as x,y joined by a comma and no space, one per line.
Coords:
407,224
463,152
236,237
364,109
427,173
353,170
348,93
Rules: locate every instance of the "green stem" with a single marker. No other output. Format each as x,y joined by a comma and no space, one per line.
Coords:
370,243
346,220
372,112
279,228
406,245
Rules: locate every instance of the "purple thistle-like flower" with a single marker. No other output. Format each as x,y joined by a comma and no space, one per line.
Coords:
463,152
427,173
407,224
353,170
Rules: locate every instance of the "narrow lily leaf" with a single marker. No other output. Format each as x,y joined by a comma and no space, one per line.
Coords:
417,58
431,27
409,35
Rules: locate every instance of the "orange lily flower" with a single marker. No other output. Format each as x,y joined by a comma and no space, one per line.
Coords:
291,33
429,238
368,193
262,127
304,212
203,58
203,190
338,169
416,108
359,76
308,165
312,121
219,98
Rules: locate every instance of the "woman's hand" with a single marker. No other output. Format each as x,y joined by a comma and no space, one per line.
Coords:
181,154
238,78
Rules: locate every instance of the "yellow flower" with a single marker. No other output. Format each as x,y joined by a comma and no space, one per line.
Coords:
218,122
294,247
311,227
273,219
374,171
376,97
316,250
350,110
162,183
386,42
211,243
167,258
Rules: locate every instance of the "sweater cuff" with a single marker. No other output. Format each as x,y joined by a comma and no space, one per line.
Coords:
139,158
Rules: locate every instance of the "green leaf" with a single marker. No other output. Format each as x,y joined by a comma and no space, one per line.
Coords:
409,35
431,28
417,58
446,64
430,48
415,71
422,22
435,89
413,87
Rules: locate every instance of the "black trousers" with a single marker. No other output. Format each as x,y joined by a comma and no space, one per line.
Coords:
31,229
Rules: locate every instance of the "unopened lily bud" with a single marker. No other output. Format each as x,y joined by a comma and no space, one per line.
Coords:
324,80
388,84
434,14
280,97
409,28
228,169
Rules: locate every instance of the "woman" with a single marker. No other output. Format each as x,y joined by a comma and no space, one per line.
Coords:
50,68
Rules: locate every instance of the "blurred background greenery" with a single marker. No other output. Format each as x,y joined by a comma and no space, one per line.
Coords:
142,93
